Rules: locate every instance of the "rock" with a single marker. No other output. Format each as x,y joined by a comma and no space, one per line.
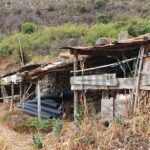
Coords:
103,41
74,41
123,35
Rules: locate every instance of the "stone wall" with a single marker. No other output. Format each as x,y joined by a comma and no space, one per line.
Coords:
55,82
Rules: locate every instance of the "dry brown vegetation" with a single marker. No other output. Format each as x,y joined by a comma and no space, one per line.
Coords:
93,135
9,139
2,143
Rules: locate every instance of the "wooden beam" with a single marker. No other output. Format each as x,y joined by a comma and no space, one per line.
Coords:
21,52
123,83
20,89
75,67
105,66
139,77
9,97
4,93
103,80
12,94
94,77
145,88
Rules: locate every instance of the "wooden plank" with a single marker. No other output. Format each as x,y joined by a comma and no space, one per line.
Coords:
103,80
4,93
146,88
123,83
142,50
109,82
93,77
146,64
10,97
145,80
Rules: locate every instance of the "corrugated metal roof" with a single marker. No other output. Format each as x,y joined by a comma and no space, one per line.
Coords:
21,69
13,78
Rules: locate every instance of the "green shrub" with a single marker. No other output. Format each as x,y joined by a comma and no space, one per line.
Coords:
57,126
123,18
100,30
48,40
43,125
28,28
82,9
117,120
139,27
122,25
102,19
37,141
99,3
80,115
51,8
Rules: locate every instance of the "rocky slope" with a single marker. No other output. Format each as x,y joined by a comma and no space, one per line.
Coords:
55,12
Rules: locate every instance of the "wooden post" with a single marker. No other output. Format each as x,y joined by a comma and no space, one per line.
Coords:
75,67
21,53
39,100
20,88
4,93
139,76
12,94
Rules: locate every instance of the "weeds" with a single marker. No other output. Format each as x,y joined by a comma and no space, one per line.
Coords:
57,126
23,124
28,28
102,19
6,116
45,41
99,3
42,125
117,120
82,9
37,141
48,40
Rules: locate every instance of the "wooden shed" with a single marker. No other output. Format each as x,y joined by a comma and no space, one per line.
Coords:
124,70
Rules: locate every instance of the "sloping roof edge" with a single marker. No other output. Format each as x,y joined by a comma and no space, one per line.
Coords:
124,45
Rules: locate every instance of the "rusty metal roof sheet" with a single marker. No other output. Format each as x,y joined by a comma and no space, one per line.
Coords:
120,46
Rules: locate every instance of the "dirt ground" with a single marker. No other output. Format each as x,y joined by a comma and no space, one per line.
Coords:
11,140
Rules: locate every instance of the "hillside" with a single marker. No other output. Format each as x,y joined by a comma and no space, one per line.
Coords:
54,24
95,102
56,12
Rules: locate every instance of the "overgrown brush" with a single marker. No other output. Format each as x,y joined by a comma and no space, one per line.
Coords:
25,124
45,41
92,133
131,134
37,141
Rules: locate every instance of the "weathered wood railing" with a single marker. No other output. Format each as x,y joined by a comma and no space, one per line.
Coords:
105,81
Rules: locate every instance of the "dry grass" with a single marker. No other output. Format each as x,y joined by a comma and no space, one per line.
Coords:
2,143
93,134
9,139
